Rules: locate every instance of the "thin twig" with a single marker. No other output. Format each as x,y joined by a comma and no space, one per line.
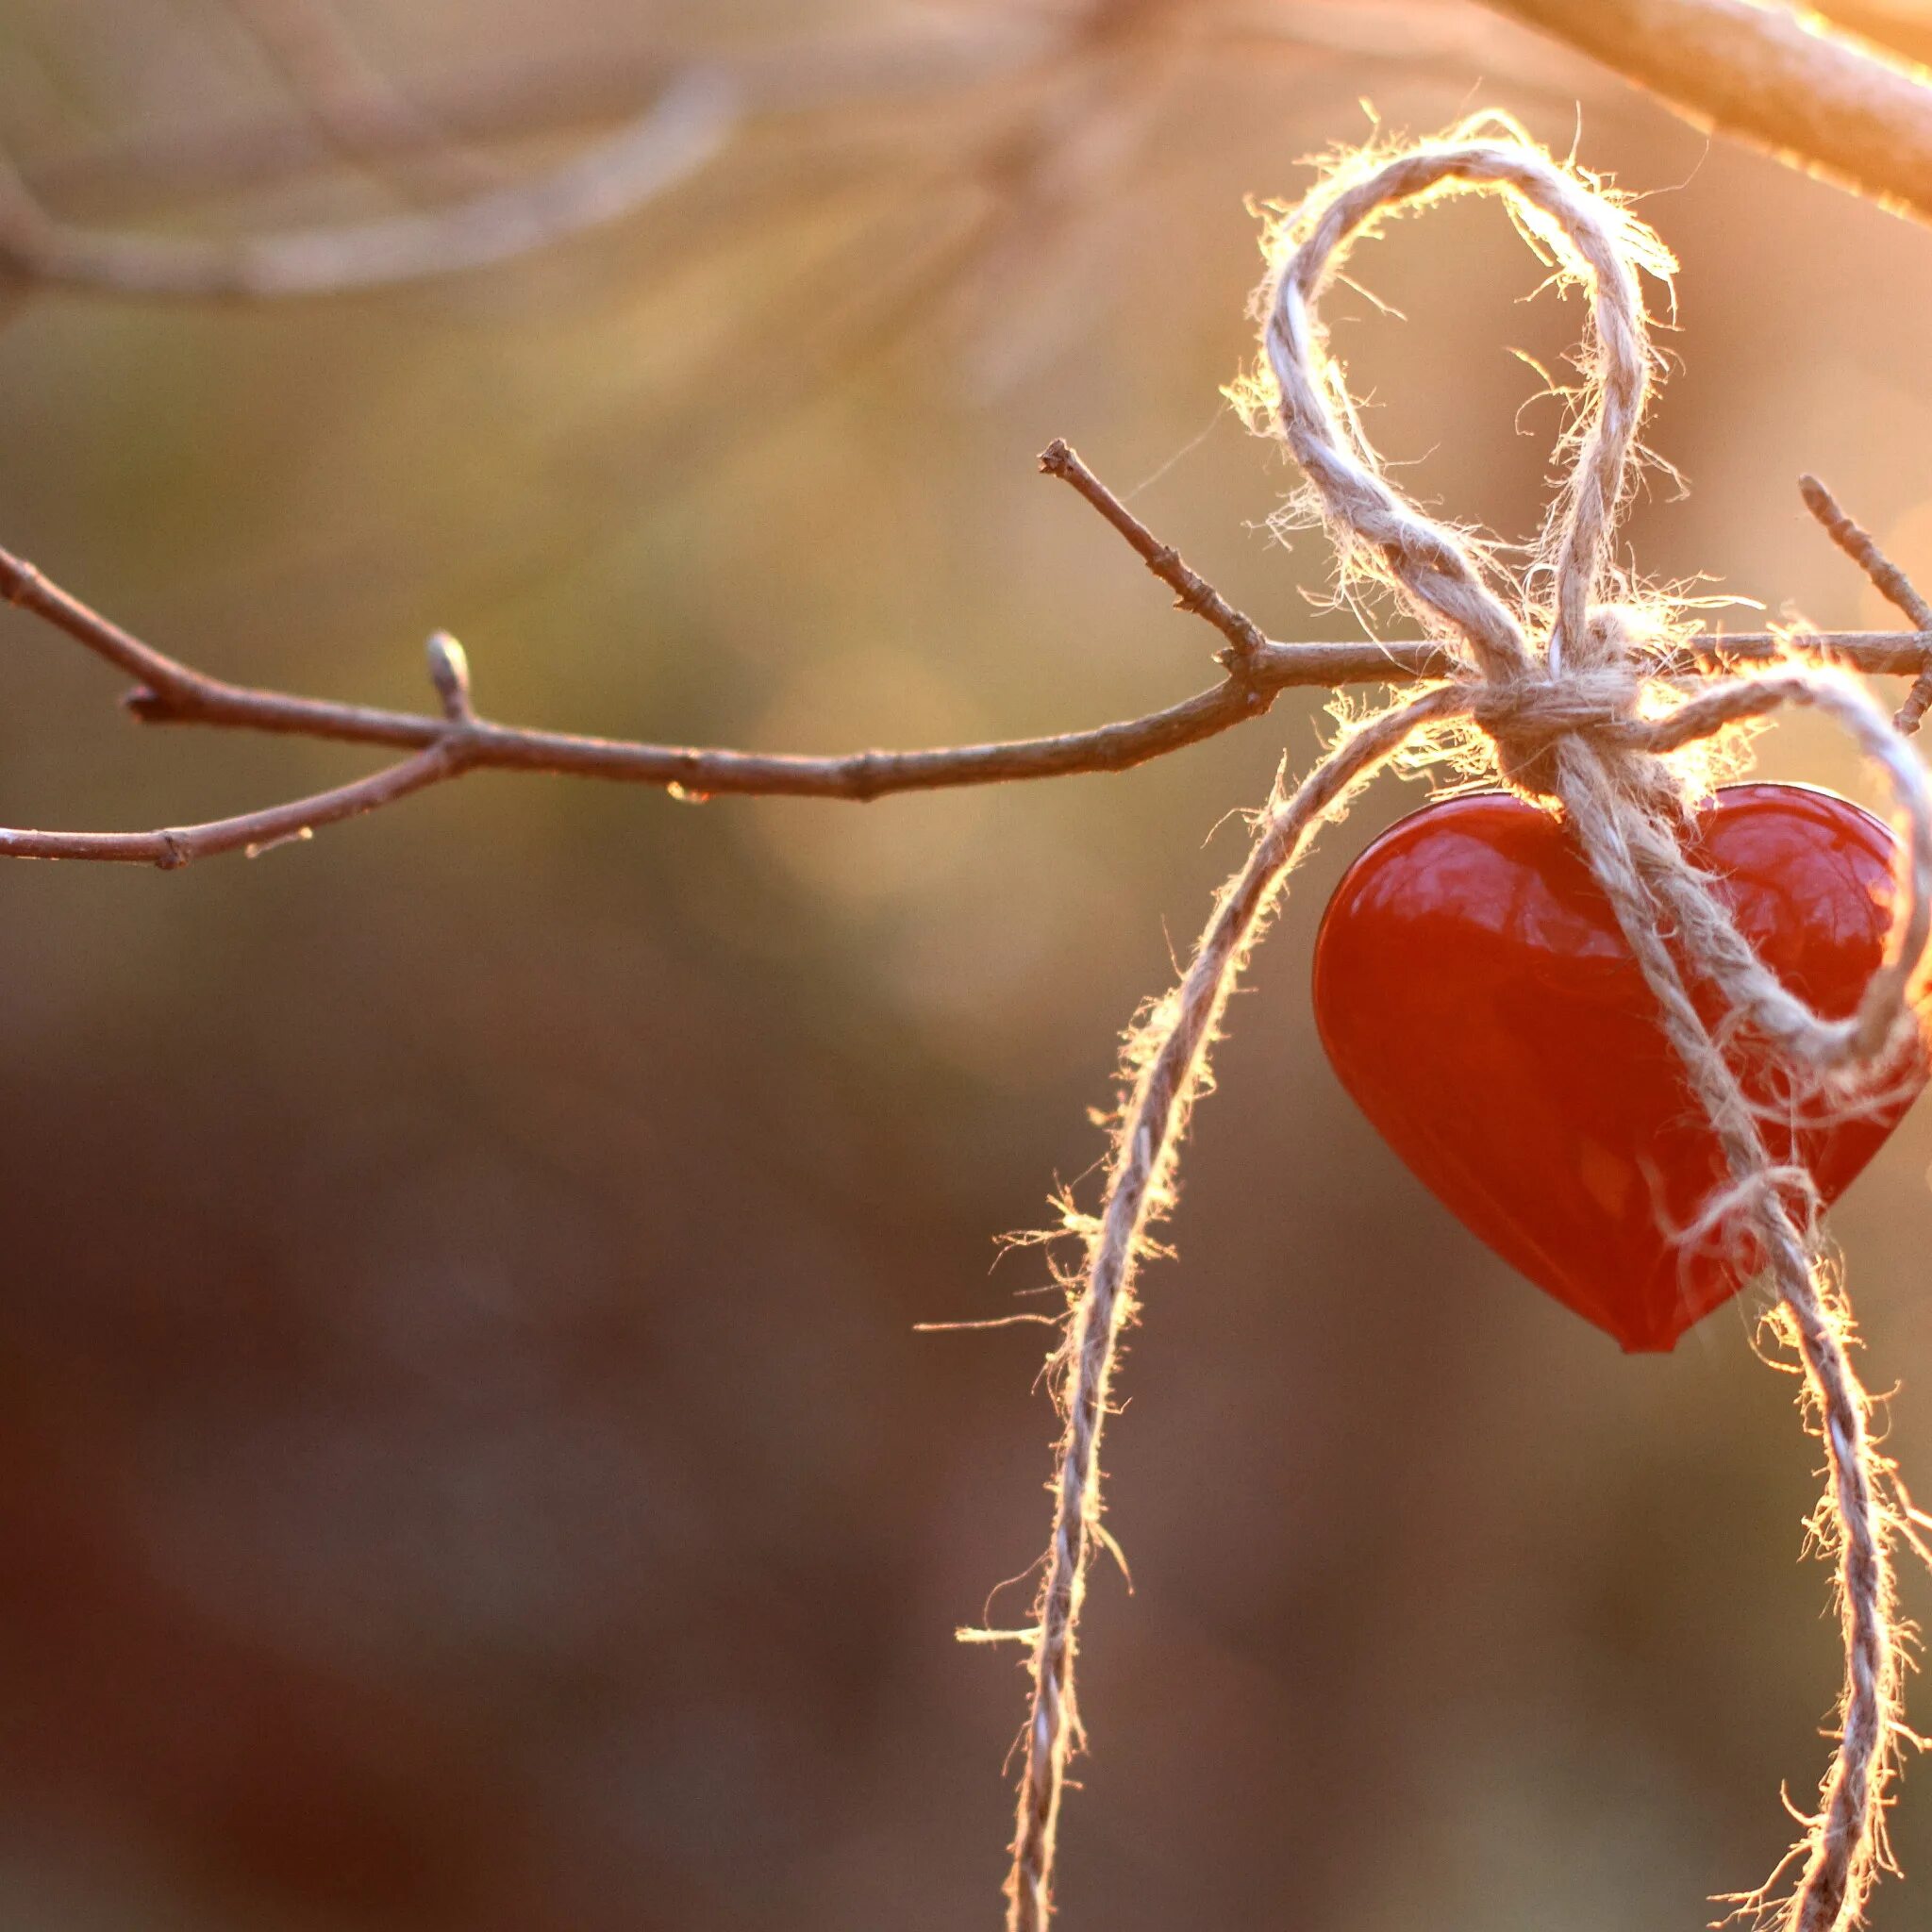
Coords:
1888,579
251,832
1192,593
1859,545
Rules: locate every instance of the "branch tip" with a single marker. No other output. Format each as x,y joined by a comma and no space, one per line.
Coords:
1887,578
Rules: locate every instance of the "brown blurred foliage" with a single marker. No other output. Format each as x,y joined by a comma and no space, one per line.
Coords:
466,1457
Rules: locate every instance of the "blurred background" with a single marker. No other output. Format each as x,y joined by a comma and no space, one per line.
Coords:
466,1460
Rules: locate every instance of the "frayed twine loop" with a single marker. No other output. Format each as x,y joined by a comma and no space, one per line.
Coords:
1584,719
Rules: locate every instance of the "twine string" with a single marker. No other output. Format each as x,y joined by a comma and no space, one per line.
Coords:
1584,721
1139,1190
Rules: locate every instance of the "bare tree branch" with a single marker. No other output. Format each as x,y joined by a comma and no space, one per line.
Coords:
1782,80
446,746
683,129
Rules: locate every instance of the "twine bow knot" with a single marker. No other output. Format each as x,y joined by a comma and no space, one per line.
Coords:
1526,718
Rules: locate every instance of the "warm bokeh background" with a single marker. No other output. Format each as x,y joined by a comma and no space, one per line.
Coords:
465,1457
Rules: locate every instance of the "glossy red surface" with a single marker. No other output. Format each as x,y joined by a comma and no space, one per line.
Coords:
1476,999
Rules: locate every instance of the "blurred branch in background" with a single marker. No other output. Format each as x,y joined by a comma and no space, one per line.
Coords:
1786,81
684,127
459,741
363,114
951,172
359,111
365,118
1817,97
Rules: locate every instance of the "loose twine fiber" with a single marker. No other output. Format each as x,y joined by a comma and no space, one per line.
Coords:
1586,722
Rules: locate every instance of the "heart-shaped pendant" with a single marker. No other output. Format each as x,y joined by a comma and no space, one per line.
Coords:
1476,999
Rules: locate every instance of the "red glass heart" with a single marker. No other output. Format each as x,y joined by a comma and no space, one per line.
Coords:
1476,999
